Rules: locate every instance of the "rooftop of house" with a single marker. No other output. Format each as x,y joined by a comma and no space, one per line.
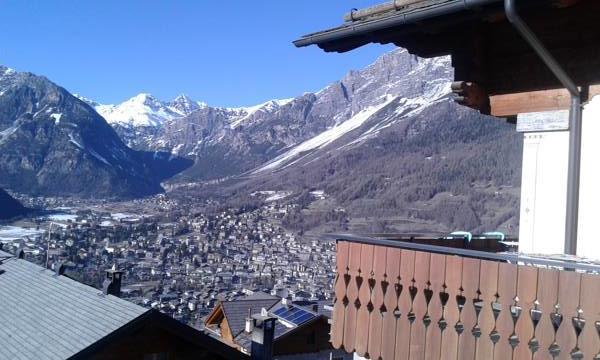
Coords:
65,315
290,315
44,315
237,311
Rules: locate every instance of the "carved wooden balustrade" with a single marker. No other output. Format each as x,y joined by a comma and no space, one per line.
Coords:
394,302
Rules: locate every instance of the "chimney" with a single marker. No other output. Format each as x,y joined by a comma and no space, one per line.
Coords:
249,323
112,283
263,334
20,253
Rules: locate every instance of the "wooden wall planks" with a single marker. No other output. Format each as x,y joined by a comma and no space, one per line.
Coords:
468,316
451,312
402,304
352,295
364,297
390,319
488,286
341,285
437,274
547,297
407,268
418,328
378,282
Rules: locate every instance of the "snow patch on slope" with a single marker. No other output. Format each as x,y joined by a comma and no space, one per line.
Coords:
99,157
75,142
4,134
56,118
327,136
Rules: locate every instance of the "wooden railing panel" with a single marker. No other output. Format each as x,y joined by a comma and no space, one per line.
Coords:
488,285
547,297
468,316
392,270
589,340
339,306
507,282
364,298
568,302
377,300
403,304
418,329
407,267
526,295
352,295
433,336
451,311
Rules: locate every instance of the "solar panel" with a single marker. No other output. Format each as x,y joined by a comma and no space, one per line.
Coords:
280,311
303,318
293,315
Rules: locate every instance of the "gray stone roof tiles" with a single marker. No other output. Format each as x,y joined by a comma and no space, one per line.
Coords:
45,316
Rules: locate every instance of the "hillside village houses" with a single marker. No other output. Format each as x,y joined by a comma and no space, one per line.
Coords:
184,265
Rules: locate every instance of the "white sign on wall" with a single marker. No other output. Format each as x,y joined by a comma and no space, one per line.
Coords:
543,121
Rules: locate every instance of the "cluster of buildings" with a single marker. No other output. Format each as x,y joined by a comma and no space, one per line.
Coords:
223,275
184,264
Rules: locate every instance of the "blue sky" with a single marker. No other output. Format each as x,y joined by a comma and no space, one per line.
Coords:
226,53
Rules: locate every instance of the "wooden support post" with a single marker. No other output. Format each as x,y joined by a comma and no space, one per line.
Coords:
471,95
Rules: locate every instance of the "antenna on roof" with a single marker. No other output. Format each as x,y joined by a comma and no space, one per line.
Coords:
48,244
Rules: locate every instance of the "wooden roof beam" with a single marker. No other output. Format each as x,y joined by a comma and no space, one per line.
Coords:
535,101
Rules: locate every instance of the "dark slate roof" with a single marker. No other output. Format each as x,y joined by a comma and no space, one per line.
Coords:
244,339
44,316
236,311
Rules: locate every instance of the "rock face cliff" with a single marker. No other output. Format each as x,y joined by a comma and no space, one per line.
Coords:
52,143
229,141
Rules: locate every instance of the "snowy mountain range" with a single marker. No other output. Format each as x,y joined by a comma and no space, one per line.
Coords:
145,110
229,141
51,143
384,137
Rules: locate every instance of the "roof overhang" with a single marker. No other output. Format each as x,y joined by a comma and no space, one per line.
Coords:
392,26
485,48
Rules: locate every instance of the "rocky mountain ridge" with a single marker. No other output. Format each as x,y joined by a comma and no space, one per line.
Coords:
386,140
52,143
230,141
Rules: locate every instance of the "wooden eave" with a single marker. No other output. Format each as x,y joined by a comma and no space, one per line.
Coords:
216,316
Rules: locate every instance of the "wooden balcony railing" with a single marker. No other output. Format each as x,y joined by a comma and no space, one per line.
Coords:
399,302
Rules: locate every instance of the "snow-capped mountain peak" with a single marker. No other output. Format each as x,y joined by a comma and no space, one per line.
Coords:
145,110
90,102
185,105
245,113
142,110
6,70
